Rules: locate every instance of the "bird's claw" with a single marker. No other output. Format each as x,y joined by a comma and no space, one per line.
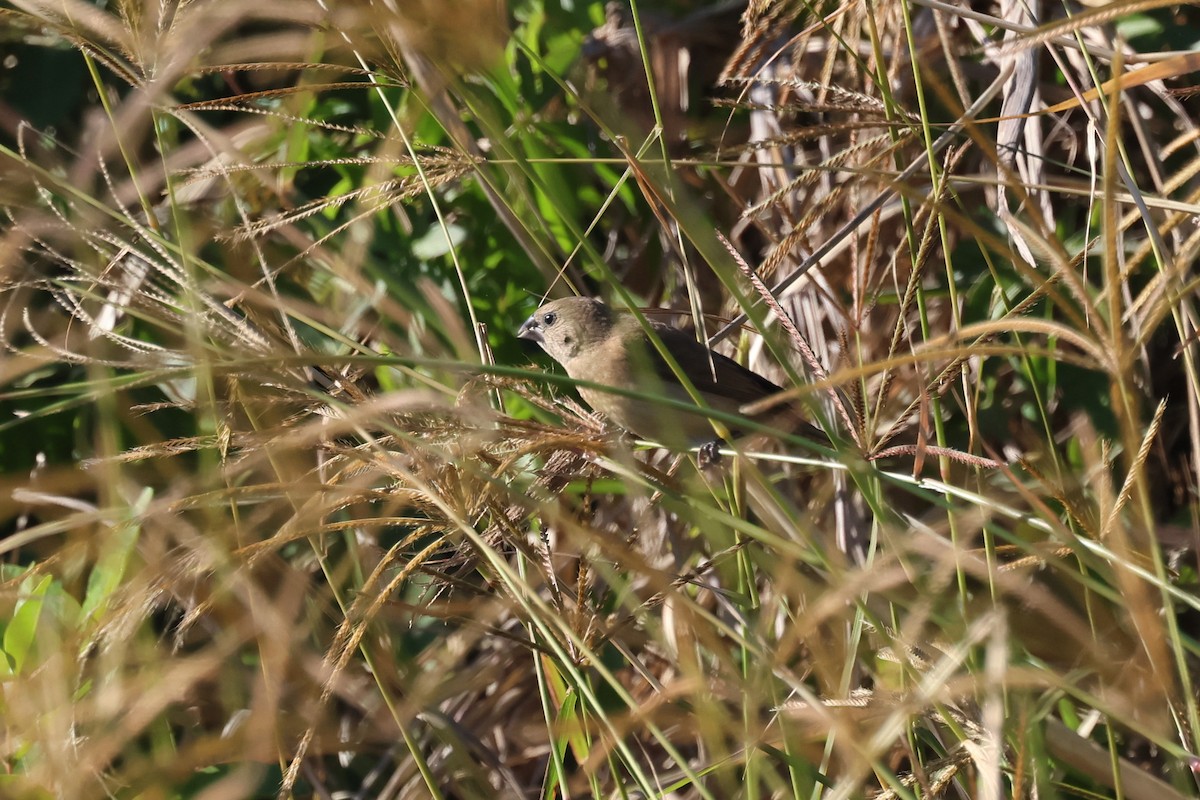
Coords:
709,454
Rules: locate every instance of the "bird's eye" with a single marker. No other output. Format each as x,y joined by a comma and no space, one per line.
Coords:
549,319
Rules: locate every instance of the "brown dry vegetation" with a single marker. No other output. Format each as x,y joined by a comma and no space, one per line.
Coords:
287,509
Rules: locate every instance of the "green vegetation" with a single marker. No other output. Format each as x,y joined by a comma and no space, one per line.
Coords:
287,508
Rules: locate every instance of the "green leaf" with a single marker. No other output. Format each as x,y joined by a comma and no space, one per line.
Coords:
1139,25
21,632
114,559
434,244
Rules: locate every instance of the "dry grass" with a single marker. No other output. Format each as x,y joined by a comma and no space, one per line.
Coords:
286,510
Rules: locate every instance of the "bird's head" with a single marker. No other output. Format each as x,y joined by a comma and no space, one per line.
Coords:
568,327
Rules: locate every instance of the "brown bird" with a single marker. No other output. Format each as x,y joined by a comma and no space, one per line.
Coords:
596,343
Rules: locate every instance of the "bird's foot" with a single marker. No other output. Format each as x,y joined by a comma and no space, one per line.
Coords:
709,454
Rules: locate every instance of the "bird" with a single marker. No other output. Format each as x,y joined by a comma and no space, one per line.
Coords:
597,343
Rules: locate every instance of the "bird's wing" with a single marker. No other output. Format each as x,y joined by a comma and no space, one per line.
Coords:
722,377
724,383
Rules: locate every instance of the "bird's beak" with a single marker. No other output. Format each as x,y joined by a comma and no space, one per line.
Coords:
531,331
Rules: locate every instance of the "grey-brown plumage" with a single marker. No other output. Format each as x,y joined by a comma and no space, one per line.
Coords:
596,343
